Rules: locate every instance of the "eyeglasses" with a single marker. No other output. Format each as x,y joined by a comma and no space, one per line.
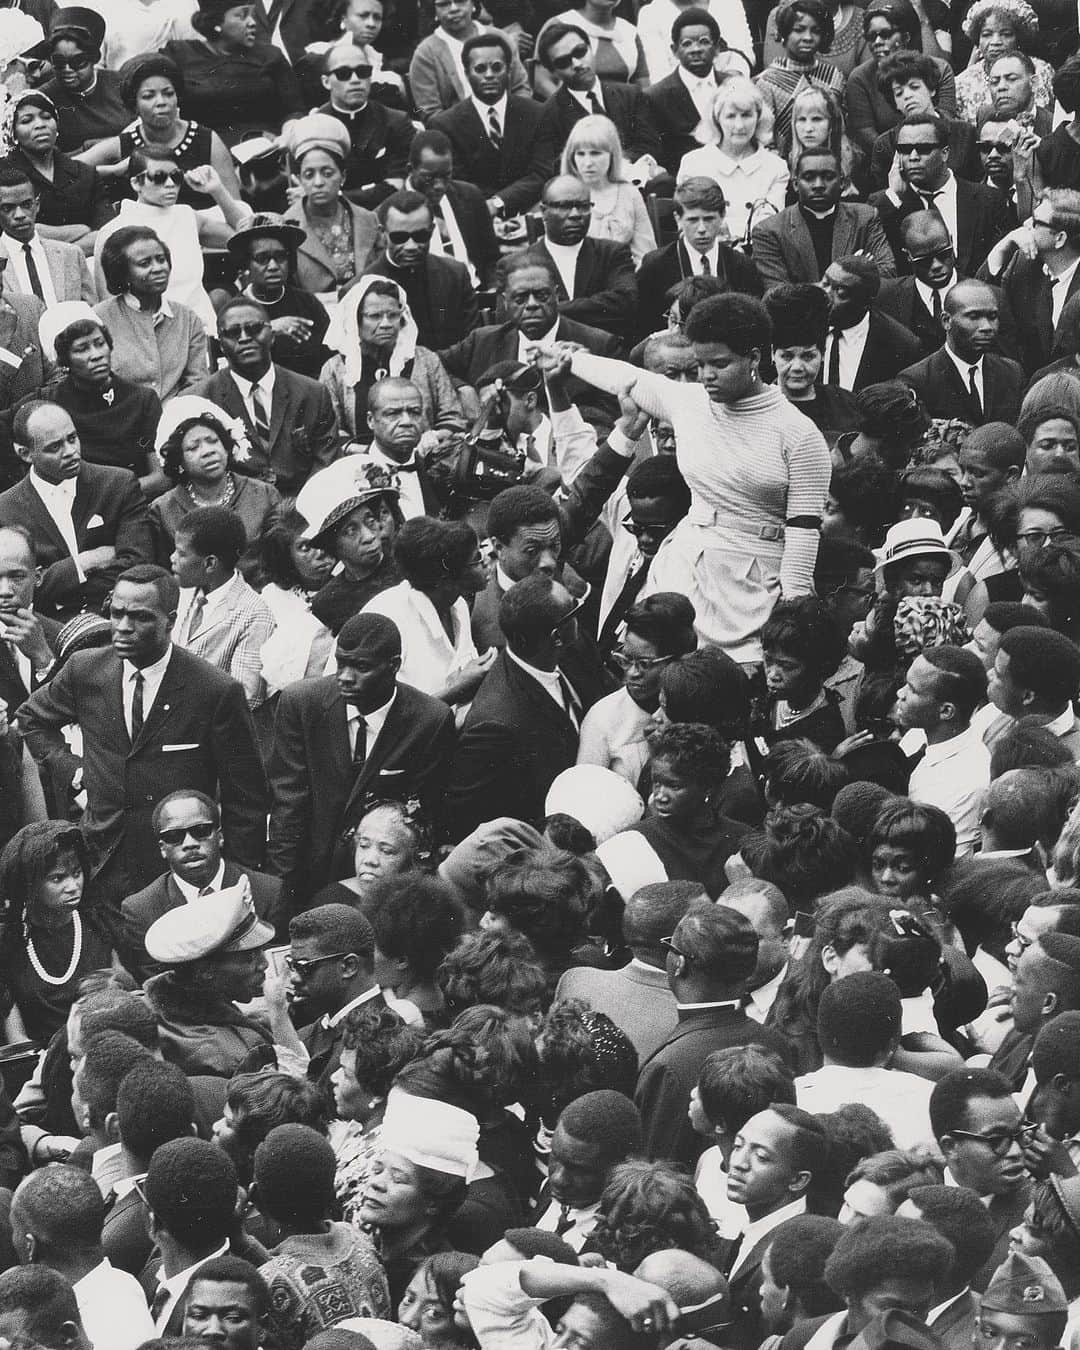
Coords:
71,62
660,529
625,662
565,62
1021,941
581,207
1040,538
668,945
1002,147
203,830
542,296
407,236
998,1141
159,177
278,255
921,148
567,618
347,72
942,254
240,330
302,969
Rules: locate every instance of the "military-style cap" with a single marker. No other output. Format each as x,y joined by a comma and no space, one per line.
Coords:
1025,1286
209,925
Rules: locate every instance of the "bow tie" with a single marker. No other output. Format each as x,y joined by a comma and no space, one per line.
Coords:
411,467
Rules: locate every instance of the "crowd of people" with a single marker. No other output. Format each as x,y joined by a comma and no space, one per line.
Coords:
539,675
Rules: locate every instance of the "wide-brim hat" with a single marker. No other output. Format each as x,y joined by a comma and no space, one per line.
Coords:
85,26
908,539
210,925
331,494
268,225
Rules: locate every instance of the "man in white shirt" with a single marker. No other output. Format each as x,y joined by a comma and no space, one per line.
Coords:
943,688
860,1019
50,269
662,29
764,907
864,345
396,419
1035,676
56,1220
463,229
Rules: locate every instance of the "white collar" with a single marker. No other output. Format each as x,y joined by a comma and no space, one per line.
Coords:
483,109
223,594
1066,276
693,82
756,1229
938,1309
858,332
64,490
700,1007
264,382
376,716
565,250
329,1022
102,1268
765,995
926,293
12,246
545,340
955,745
127,1184
149,673
164,308
950,1180
548,678
583,98
1062,723
190,892
503,580
961,365
176,1284
947,189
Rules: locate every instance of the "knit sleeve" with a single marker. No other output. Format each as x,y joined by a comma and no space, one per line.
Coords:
655,394
809,470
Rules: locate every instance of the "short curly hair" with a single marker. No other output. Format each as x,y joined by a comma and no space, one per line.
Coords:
491,967
548,894
172,452
740,321
384,1044
694,749
581,1051
416,918
812,9
651,1207
887,1248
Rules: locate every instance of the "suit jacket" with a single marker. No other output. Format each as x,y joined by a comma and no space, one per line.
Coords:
955,1326
315,269
70,274
1005,1212
666,267
13,690
605,287
981,220
666,1078
109,508
784,251
315,798
303,429
636,998
474,221
140,910
899,298
514,741
440,296
1027,289
963,157
124,1236
514,170
197,734
435,81
889,348
938,384
380,138
676,116
625,104
232,637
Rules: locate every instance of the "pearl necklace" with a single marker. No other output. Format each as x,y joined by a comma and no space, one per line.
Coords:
225,498
76,954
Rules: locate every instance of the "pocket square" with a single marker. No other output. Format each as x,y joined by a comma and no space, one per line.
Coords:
186,745
95,522
390,773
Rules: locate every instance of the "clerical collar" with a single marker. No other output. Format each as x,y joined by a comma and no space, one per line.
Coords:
818,215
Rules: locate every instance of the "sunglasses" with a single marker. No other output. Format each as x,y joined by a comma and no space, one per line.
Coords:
71,62
921,148
347,72
240,330
999,1141
203,830
303,969
556,629
565,62
159,177
626,663
278,255
407,236
661,530
944,254
1002,147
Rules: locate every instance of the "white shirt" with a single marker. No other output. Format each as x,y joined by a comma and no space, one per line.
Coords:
584,98
954,775
926,293
541,437
59,500
177,1286
565,257
762,175
710,1182
190,892
580,1230
697,258
761,999
965,368
945,205
16,254
374,721
1060,290
548,680
411,494
428,656
454,244
217,602
152,677
939,1308
113,1308
330,1022
526,345
852,345
654,29
483,111
758,1228
702,89
902,1100
265,386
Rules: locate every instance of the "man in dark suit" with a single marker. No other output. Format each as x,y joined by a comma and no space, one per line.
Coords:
463,229
187,826
566,54
289,419
921,179
27,639
1037,287
711,956
522,728
438,289
698,251
596,282
863,345
343,741
154,718
910,83
682,101
494,132
88,521
22,369
530,301
799,243
380,136
964,378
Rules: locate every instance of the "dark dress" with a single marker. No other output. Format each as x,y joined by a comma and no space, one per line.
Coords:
832,410
193,151
121,433
73,196
93,116
697,855
253,501
245,92
342,597
44,1007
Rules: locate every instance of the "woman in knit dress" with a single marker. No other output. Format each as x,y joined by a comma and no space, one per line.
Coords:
758,472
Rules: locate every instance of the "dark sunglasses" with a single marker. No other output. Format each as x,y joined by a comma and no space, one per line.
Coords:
1002,147
159,177
279,255
944,253
71,62
651,531
347,72
565,62
404,236
304,968
921,148
999,1142
203,830
240,330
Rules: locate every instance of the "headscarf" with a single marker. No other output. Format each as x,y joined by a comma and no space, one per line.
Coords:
54,322
12,106
348,328
925,621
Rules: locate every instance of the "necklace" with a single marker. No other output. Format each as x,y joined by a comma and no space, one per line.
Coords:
225,498
76,954
267,299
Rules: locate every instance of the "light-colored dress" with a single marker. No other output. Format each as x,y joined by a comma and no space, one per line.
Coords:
623,218
613,736
762,176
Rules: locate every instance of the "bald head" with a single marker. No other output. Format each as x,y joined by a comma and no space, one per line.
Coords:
924,230
967,293
970,319
687,1278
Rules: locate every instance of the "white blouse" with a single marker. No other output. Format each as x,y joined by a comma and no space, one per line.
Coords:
762,175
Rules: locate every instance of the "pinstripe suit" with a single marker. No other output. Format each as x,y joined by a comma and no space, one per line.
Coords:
229,633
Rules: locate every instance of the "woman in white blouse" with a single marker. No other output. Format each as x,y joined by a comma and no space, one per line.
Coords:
594,154
747,172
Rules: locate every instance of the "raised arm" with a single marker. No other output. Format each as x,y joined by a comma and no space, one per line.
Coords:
654,394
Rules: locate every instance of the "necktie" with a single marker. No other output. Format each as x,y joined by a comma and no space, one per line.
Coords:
360,748
930,200
706,269
564,1222
161,1298
973,389
494,130
530,447
631,589
195,614
834,357
137,706
444,236
570,700
937,305
206,890
260,416
32,273
595,104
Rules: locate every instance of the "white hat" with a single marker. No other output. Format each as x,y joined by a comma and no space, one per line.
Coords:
431,1134
53,322
223,922
915,538
329,495
597,798
185,408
